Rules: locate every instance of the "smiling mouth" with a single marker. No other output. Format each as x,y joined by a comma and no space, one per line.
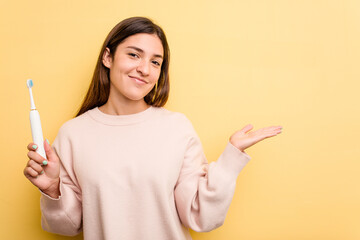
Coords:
139,80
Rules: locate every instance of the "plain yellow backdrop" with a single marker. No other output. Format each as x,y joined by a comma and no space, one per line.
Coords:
265,62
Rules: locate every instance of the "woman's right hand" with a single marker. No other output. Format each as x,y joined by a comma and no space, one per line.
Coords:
44,173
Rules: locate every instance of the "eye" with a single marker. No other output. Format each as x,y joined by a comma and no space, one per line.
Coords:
133,55
156,63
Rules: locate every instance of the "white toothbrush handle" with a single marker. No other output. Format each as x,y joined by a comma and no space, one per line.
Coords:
36,131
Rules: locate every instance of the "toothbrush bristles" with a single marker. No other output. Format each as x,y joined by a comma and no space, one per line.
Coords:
29,83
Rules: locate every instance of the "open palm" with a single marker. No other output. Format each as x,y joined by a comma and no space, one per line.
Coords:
245,138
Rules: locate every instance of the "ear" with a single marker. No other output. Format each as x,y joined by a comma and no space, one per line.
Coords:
107,59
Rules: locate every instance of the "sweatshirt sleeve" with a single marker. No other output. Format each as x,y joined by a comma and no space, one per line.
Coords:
63,215
203,192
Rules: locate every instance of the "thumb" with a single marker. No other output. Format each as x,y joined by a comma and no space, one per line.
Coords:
50,153
247,128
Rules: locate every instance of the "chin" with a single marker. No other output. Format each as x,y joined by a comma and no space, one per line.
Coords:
135,97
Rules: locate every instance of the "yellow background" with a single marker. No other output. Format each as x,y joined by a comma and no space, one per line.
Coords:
265,62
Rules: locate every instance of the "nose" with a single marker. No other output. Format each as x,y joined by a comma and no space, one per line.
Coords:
143,67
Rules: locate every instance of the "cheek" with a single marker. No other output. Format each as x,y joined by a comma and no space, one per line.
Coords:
124,65
156,74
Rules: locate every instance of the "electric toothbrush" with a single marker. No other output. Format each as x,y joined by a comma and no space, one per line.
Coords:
35,123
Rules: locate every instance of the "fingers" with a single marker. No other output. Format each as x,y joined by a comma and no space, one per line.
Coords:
268,132
34,165
50,153
36,162
247,128
32,155
262,131
271,128
32,147
33,169
30,172
275,129
246,138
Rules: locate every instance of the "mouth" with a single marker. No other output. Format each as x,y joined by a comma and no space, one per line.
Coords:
138,80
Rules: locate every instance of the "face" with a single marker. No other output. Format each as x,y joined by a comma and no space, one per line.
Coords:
135,66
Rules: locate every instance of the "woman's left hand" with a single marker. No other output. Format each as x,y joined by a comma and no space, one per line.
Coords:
245,138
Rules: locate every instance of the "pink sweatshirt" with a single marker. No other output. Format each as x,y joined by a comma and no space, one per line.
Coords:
139,176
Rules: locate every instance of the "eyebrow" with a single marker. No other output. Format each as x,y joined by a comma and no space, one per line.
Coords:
140,50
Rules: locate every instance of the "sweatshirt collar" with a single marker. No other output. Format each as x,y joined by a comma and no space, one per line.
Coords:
108,119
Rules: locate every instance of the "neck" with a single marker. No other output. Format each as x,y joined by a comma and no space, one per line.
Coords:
115,106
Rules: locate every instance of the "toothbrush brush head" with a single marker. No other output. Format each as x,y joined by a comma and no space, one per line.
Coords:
29,83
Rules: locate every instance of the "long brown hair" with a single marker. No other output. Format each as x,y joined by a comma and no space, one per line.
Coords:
99,90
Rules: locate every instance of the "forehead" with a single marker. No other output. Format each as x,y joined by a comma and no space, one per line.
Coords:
149,43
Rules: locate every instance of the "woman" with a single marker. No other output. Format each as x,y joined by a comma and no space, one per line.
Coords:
126,168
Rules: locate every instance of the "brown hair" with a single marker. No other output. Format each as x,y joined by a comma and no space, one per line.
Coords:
99,90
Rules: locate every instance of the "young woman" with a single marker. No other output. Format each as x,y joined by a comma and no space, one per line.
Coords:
125,167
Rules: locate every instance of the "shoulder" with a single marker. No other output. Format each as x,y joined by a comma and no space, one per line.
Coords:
74,125
71,130
176,120
173,116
